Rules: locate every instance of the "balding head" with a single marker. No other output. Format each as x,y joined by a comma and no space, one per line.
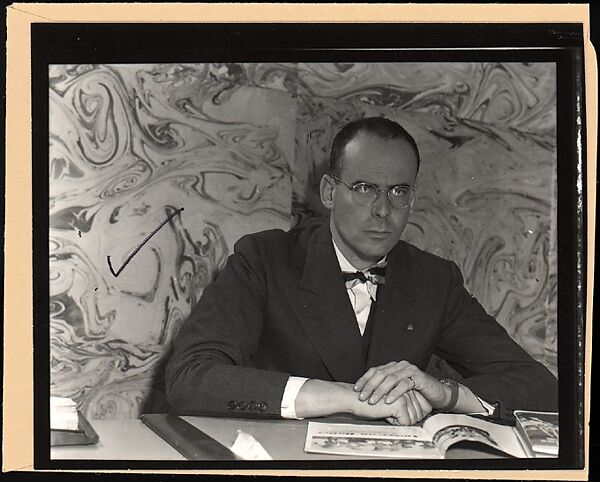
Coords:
380,127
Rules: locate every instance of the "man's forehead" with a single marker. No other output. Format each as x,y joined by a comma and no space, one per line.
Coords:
367,153
368,140
354,146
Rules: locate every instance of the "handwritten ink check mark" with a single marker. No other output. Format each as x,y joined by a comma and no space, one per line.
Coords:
135,251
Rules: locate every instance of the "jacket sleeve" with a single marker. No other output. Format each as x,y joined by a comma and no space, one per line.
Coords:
210,370
493,365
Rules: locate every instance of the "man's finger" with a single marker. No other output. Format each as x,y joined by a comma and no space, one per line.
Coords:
371,384
386,385
416,405
403,386
358,386
392,420
410,409
425,405
387,368
379,375
400,412
413,375
362,380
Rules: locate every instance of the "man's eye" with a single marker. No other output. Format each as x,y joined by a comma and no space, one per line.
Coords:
400,191
363,188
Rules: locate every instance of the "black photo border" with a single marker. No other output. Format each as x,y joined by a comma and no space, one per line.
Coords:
96,43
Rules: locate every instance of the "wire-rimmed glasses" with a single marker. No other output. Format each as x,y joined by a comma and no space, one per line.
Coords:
401,196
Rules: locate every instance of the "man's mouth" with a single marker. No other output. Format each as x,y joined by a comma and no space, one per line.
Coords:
376,233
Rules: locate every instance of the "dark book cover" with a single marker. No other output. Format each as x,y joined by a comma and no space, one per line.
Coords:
540,431
84,435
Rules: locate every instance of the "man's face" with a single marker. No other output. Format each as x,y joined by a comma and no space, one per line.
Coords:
364,234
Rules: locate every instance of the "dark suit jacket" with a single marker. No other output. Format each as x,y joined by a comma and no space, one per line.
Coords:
280,308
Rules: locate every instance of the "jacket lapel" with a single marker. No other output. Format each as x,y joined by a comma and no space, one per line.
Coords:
395,333
322,306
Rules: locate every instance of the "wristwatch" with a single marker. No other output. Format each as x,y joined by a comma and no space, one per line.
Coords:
453,394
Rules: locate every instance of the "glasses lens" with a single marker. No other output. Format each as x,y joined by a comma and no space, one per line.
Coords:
364,194
400,196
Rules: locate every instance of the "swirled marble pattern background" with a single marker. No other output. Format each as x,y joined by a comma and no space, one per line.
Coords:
241,147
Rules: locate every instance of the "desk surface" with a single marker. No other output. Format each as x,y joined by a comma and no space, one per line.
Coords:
283,439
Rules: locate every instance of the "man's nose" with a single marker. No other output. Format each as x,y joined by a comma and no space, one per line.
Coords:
381,206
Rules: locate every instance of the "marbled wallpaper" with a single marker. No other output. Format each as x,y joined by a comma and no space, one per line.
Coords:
241,148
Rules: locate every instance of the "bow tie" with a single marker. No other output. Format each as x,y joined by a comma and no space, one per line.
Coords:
375,275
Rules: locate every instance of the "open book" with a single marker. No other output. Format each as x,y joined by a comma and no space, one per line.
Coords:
429,441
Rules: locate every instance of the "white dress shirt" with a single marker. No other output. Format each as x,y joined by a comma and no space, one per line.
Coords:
361,297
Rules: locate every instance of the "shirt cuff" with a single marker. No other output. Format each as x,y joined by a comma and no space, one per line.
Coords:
487,408
288,402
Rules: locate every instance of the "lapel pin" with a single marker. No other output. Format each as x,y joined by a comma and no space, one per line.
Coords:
410,327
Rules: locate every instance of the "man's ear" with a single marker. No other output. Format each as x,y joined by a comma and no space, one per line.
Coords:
327,190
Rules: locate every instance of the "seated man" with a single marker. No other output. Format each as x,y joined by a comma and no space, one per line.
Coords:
344,317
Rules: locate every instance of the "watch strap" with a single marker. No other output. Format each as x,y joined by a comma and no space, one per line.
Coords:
453,394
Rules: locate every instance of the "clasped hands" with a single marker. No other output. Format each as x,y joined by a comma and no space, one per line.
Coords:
399,392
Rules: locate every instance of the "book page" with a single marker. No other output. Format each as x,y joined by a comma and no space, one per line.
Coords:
370,440
447,429
63,414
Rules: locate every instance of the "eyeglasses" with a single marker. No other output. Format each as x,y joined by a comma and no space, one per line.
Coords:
401,196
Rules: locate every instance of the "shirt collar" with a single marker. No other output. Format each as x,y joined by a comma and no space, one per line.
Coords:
346,265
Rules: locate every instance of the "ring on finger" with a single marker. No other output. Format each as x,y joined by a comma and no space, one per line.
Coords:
413,383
